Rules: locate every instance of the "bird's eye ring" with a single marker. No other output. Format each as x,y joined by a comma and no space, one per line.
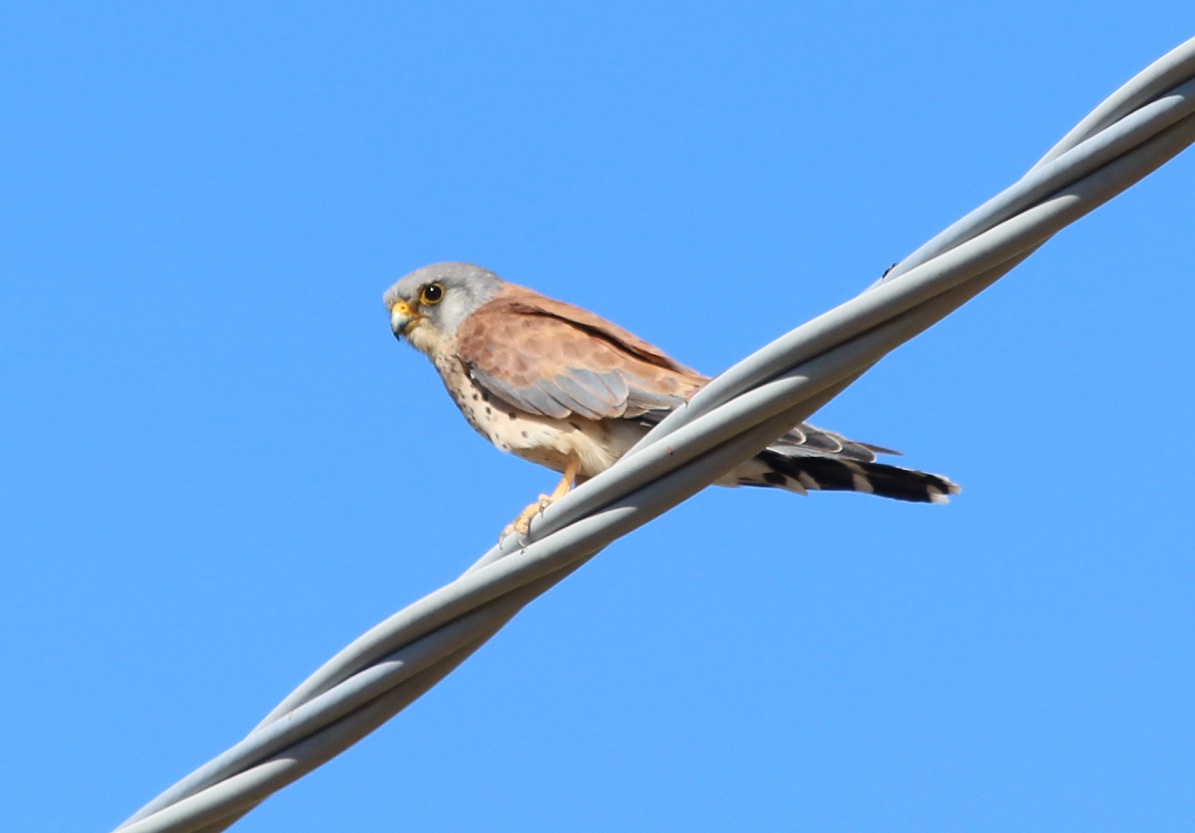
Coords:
431,294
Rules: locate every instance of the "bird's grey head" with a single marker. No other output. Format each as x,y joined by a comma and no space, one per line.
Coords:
429,304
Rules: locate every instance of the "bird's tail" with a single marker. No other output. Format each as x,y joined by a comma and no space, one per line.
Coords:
800,473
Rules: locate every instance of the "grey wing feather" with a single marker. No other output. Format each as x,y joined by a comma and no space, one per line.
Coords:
581,392
592,398
613,382
571,396
809,440
641,400
532,400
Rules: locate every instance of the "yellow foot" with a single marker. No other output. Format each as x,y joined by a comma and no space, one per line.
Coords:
522,524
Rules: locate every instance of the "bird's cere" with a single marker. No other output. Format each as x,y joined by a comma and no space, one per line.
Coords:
401,317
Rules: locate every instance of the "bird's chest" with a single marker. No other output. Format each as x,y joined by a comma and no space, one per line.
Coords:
539,439
493,419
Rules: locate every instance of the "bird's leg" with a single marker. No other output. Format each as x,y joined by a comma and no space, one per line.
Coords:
564,486
523,522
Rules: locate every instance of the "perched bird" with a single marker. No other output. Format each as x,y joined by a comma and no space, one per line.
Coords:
559,386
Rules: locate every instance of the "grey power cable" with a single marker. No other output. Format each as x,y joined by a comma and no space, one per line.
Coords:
1136,130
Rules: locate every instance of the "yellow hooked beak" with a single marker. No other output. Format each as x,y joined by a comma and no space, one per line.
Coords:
402,317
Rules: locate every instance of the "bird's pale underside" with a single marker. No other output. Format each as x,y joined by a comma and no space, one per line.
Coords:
559,386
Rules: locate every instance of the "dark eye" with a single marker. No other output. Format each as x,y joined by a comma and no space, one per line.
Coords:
431,294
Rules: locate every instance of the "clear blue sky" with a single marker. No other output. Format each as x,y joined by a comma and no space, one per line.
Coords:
217,466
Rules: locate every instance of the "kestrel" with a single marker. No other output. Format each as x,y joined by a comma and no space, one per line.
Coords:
559,386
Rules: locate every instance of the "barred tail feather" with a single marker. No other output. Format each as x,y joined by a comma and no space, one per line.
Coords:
802,473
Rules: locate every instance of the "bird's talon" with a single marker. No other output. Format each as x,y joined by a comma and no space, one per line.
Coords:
522,524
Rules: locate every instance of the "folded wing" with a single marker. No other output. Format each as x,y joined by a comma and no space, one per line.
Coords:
550,358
